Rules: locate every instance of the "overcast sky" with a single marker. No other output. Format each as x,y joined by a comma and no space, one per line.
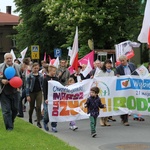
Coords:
4,3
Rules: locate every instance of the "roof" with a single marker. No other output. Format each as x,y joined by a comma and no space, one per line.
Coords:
8,19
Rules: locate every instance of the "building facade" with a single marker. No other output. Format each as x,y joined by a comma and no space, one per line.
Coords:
7,33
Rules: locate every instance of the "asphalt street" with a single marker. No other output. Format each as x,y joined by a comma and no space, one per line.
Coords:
116,137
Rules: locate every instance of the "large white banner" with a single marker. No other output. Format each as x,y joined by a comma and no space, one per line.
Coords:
122,95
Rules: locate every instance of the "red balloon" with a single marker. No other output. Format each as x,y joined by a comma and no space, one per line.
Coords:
15,82
52,61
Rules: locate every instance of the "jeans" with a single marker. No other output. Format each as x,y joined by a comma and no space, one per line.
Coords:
20,102
93,121
46,117
35,97
9,104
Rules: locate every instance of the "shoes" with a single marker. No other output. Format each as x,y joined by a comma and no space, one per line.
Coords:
46,126
30,120
73,127
126,124
111,118
93,134
21,116
39,125
54,129
9,129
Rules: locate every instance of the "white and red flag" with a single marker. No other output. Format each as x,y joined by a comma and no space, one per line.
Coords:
23,53
74,56
144,36
44,56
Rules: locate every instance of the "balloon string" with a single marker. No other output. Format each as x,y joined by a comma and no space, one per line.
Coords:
2,88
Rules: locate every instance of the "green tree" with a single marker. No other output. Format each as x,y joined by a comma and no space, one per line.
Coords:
51,24
33,29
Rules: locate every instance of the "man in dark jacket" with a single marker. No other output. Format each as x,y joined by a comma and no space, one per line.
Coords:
9,96
125,68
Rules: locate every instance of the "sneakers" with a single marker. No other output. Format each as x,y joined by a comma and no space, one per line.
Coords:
54,129
93,134
39,125
46,126
73,127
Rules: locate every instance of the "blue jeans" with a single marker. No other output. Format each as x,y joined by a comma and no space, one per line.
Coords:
46,117
9,104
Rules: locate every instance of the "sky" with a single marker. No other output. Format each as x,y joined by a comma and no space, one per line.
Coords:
4,3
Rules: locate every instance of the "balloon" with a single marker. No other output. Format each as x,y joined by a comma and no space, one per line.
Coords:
10,72
15,82
52,61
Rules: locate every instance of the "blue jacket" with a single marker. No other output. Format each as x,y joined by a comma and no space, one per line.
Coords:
31,81
93,104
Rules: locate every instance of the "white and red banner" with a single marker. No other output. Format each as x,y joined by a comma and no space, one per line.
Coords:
122,95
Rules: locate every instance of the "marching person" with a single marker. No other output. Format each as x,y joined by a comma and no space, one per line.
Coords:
93,104
9,96
51,75
125,68
106,71
34,86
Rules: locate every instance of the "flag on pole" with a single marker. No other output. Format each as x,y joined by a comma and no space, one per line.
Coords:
97,72
90,57
69,51
87,69
74,56
142,71
13,54
56,62
144,34
23,53
49,58
44,56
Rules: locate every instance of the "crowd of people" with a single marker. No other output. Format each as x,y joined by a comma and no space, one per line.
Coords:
34,90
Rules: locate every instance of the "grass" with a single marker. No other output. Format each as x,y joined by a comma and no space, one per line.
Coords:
25,136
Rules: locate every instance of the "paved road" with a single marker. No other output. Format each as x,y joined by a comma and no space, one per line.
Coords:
116,137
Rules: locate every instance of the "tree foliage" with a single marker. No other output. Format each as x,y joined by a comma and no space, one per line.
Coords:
51,23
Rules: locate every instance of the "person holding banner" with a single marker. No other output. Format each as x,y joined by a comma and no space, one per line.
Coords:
9,96
51,75
72,124
63,73
93,104
106,70
125,68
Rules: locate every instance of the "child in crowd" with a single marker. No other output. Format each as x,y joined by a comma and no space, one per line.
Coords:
72,124
51,75
34,92
93,104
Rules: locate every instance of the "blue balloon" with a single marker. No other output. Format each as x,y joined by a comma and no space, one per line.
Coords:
10,72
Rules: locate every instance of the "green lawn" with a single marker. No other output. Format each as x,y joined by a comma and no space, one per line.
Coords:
25,136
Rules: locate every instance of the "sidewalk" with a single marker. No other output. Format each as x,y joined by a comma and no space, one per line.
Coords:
116,137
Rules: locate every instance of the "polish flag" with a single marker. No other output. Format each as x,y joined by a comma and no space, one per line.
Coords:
49,58
74,56
144,36
45,56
